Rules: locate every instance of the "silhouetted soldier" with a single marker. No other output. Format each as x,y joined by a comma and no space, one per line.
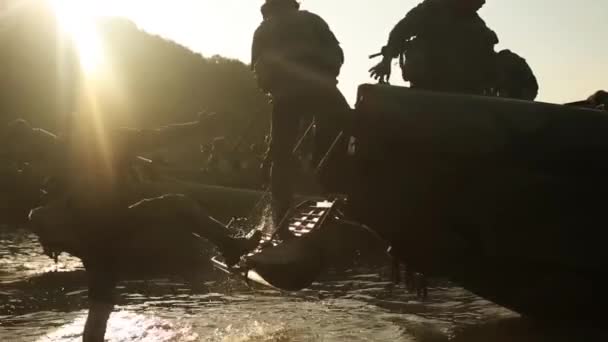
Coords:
599,100
514,77
297,59
93,184
101,218
443,45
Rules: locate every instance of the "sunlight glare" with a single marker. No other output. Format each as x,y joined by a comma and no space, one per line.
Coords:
77,19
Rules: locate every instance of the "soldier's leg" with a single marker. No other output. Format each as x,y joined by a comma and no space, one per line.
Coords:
59,230
285,120
409,279
332,115
101,277
184,212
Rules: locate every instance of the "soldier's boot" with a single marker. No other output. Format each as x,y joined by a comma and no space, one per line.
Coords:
231,248
235,248
184,212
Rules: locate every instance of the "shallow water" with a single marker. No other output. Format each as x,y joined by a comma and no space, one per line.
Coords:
41,301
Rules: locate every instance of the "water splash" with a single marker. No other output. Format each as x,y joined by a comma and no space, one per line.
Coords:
353,306
254,331
265,222
21,256
126,326
260,219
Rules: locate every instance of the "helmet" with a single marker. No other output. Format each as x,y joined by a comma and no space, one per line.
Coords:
273,2
270,5
469,5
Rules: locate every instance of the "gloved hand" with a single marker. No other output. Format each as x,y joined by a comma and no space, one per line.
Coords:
381,72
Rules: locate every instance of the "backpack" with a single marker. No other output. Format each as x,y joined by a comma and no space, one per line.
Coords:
293,47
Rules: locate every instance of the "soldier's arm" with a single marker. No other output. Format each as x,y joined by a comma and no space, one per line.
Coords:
258,65
490,36
35,143
144,140
328,39
45,137
256,46
532,82
405,30
254,52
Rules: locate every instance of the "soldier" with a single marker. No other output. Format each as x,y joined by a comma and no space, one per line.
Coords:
443,45
515,78
297,59
599,100
92,185
99,215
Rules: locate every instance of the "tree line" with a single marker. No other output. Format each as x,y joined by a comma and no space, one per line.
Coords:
151,81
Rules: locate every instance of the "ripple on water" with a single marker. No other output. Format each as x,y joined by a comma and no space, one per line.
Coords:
353,307
266,319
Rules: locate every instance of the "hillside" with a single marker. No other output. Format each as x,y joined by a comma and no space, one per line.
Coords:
154,81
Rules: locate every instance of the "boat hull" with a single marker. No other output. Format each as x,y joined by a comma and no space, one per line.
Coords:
504,196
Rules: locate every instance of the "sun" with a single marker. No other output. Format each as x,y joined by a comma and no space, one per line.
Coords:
77,19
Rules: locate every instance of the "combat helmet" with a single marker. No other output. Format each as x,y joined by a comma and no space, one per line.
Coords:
270,5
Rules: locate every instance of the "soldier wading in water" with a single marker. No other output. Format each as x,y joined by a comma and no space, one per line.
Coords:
96,209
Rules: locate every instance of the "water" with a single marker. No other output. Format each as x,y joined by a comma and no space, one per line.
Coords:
41,301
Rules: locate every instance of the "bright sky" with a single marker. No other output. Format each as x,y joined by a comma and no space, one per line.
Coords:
563,41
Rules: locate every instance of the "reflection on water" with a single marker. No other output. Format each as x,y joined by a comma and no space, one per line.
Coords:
356,306
21,256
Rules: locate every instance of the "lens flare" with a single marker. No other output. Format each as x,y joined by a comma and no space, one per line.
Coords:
77,19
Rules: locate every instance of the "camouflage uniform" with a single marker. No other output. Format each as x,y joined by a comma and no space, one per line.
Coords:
297,59
445,49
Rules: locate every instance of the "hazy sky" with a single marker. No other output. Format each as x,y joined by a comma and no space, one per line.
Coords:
563,41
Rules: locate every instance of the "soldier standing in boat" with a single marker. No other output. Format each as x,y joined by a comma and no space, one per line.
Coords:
443,45
297,60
